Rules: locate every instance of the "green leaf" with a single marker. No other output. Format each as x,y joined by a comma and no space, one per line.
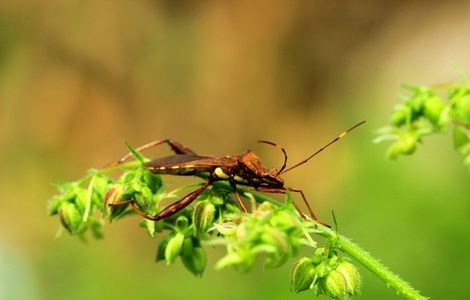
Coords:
149,225
173,249
138,156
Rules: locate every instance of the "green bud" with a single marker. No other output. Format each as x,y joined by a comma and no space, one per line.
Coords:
433,108
405,145
333,261
416,103
276,259
173,248
461,110
408,142
226,229
319,257
216,200
401,114
303,275
274,237
162,248
95,226
70,217
231,259
351,277
323,269
283,220
203,217
194,258
182,223
461,137
81,199
334,285
101,185
53,205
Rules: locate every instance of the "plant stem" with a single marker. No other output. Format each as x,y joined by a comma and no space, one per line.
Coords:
401,287
392,280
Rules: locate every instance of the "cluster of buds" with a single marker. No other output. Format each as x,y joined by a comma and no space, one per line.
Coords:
274,231
425,112
327,274
75,204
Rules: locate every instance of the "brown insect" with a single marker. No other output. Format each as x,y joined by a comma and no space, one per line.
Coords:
243,169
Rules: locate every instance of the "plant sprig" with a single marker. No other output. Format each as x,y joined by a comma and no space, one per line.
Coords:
272,228
428,110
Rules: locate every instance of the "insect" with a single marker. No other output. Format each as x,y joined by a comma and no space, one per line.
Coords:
243,169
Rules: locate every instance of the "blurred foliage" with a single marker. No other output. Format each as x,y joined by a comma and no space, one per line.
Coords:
424,112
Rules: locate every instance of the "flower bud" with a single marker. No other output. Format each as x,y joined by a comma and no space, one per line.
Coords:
54,204
231,259
351,277
320,255
433,108
461,110
173,248
194,258
405,145
400,115
81,199
334,285
323,269
203,217
226,229
303,275
283,220
70,217
275,238
461,137
182,223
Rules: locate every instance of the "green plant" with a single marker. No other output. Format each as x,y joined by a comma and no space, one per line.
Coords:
272,228
428,110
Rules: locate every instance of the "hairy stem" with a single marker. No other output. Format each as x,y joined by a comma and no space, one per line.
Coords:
401,287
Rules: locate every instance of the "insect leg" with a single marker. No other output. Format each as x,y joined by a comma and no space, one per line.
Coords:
239,199
310,210
177,147
179,205
172,208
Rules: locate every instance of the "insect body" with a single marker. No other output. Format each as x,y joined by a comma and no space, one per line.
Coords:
243,169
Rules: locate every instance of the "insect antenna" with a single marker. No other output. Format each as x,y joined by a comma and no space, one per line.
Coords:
324,147
280,148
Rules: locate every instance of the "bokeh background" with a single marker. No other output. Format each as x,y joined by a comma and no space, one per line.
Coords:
79,77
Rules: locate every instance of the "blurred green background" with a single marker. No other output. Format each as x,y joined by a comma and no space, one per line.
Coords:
79,77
